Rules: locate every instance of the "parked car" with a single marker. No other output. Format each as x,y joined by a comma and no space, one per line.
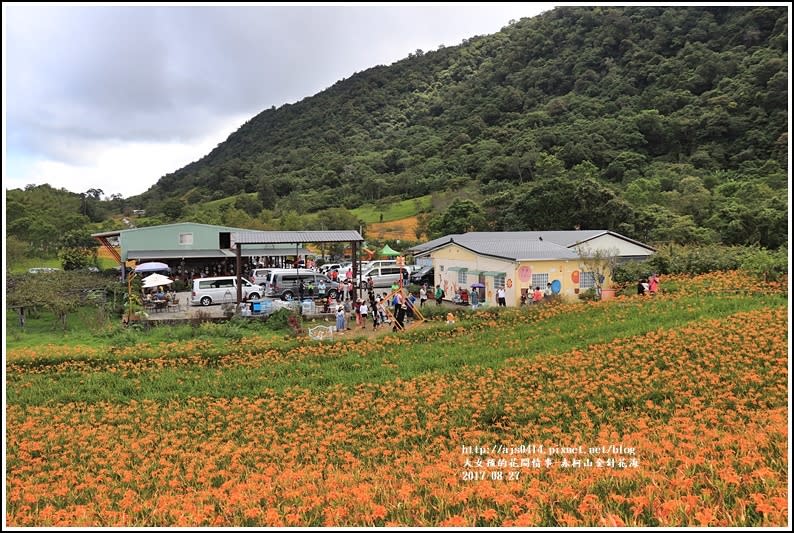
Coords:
328,267
424,275
285,283
207,291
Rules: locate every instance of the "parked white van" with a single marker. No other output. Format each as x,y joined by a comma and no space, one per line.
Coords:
383,276
207,291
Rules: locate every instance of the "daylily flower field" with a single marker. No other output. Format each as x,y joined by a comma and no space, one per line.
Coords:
639,411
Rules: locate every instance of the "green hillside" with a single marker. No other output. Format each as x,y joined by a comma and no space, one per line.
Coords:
676,117
666,124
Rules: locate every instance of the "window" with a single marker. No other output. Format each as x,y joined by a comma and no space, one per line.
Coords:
499,282
540,280
186,238
462,276
389,270
586,280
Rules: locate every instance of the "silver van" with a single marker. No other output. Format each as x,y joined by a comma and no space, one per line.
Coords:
259,276
383,276
284,283
207,291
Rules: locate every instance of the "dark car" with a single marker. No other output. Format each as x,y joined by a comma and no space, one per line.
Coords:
423,275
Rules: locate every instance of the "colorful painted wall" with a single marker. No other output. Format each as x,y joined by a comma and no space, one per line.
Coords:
453,263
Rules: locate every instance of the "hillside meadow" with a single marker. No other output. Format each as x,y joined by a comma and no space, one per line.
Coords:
640,411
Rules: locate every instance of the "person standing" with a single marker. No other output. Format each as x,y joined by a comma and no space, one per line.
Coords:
363,311
653,284
357,309
439,294
500,297
340,319
343,290
348,310
474,298
397,301
422,295
399,318
310,288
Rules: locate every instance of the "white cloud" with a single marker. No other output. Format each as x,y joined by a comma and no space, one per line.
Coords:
126,168
116,96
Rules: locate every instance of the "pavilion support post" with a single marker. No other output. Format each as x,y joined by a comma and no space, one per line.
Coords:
354,257
238,271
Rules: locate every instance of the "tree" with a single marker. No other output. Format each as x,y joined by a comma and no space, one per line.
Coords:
77,250
338,218
172,208
461,216
266,194
16,250
601,262
248,204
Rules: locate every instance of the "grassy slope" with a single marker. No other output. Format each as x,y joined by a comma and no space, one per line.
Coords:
485,342
370,213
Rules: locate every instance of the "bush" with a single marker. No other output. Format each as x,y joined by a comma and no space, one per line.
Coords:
589,295
766,265
631,271
227,330
284,320
696,259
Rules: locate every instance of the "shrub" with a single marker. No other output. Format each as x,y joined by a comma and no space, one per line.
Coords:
284,320
589,294
764,264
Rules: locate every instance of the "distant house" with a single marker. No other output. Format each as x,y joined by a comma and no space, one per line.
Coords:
521,260
139,212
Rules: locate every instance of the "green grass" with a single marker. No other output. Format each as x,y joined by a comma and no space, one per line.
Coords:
90,327
33,262
223,201
430,350
53,262
370,213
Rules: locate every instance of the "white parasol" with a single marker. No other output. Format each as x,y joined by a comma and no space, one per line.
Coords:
155,280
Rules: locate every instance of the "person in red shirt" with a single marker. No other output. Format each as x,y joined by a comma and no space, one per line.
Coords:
653,284
537,296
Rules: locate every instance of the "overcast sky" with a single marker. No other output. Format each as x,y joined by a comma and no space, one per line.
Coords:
114,97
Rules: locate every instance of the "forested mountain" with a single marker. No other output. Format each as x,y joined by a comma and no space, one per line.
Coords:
663,123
